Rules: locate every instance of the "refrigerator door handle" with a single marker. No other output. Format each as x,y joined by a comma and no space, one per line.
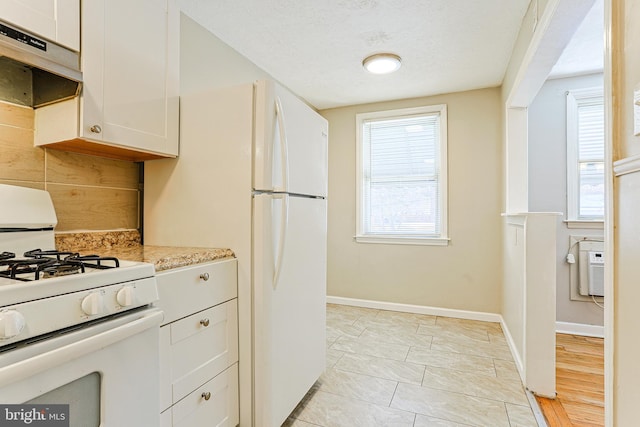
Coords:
284,151
284,223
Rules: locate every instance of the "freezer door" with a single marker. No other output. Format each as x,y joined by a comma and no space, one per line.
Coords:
290,146
290,247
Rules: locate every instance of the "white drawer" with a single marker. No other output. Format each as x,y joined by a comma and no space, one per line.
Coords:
187,290
198,352
221,409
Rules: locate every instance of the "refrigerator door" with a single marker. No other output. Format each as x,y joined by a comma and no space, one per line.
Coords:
290,148
289,302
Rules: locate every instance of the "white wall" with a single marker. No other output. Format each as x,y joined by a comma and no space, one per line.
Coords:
548,185
206,62
465,275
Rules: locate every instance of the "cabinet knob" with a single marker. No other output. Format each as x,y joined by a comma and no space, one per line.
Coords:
95,129
206,395
204,276
204,322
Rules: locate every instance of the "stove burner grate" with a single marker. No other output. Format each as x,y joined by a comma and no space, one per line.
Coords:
18,268
39,253
95,261
43,264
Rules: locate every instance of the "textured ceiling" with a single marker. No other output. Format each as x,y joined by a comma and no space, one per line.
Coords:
585,52
316,47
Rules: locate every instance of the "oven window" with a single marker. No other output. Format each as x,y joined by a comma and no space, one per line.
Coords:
83,398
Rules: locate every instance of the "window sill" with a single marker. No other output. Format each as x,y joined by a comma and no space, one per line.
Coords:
574,223
421,241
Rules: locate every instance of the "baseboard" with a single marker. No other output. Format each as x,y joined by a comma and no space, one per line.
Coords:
418,309
580,329
512,346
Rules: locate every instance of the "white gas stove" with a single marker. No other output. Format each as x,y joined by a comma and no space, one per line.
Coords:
42,290
78,332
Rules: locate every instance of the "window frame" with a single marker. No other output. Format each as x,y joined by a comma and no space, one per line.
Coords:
574,99
360,235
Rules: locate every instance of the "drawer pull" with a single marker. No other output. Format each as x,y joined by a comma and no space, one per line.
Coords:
204,276
204,322
206,395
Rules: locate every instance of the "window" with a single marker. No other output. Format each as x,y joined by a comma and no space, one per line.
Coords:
585,155
402,176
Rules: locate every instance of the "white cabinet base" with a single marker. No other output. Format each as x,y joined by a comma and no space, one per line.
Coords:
199,345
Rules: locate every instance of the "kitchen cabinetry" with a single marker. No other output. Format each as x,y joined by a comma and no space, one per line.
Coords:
56,20
128,107
199,345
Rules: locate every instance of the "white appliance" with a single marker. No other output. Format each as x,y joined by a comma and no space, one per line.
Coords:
74,330
252,176
41,71
596,273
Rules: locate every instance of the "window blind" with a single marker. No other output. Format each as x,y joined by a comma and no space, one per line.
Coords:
401,185
590,158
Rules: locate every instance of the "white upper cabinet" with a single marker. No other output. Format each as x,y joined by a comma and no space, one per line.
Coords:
56,20
129,104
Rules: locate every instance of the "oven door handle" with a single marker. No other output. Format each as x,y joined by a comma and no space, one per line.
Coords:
54,358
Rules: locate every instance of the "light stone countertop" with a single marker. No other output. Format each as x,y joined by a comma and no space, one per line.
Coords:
125,245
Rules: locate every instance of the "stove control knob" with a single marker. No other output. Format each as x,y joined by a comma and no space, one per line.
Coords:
92,304
11,324
125,296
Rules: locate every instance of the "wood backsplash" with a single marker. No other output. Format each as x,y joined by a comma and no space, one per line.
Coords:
89,193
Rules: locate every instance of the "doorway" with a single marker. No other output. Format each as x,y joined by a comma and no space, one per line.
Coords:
566,174
532,175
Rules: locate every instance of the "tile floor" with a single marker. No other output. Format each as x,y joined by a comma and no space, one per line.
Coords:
387,368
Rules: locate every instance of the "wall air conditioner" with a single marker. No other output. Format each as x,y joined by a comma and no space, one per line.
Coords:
586,278
595,270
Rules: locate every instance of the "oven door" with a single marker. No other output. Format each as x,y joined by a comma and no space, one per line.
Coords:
107,372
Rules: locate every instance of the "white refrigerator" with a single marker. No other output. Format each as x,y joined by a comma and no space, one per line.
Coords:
252,176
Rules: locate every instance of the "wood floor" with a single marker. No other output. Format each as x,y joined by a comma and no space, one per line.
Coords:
579,383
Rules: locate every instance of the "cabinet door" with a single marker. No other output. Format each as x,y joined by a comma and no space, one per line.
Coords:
131,65
57,20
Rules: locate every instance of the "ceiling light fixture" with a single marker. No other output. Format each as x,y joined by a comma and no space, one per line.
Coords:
382,63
